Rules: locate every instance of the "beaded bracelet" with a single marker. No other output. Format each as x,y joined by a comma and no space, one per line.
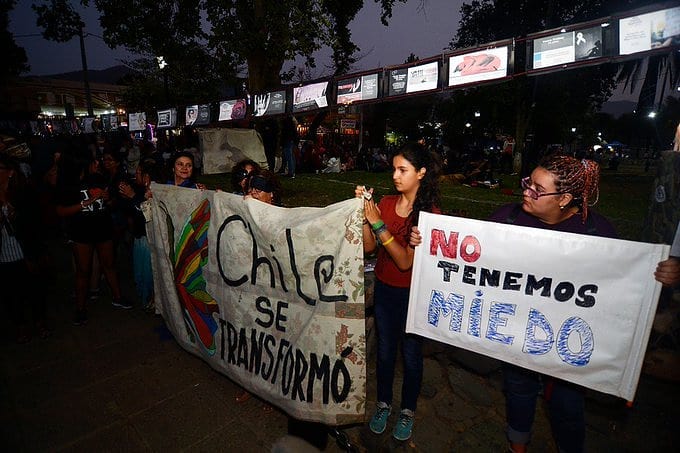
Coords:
377,225
380,230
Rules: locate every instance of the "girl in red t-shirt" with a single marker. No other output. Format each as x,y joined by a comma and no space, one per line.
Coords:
388,223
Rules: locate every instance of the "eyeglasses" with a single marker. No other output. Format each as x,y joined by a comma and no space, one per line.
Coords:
243,174
533,193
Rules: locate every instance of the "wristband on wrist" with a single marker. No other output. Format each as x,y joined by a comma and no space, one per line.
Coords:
380,230
388,241
377,225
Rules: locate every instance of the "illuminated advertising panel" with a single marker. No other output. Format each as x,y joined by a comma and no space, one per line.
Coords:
649,31
478,66
423,77
232,110
567,47
310,97
359,88
167,118
273,103
137,121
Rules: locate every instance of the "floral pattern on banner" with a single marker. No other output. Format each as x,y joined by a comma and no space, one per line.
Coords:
289,289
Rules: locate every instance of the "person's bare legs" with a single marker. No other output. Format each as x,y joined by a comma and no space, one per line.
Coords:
95,276
106,261
82,256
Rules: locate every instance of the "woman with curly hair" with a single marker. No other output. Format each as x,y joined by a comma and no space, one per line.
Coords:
387,226
557,197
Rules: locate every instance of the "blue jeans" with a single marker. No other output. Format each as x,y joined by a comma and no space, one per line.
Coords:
289,157
566,407
391,306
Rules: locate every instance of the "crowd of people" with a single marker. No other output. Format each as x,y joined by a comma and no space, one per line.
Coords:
95,193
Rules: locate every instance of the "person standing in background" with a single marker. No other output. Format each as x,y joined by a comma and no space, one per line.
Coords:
22,252
289,139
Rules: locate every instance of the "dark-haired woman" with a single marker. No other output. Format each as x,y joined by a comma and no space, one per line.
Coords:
183,171
82,196
265,186
240,174
388,224
556,197
22,253
262,186
136,194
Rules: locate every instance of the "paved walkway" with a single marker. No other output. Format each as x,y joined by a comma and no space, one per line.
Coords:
121,383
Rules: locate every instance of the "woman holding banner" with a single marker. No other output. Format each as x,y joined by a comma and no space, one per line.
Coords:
261,185
388,223
556,196
183,171
240,175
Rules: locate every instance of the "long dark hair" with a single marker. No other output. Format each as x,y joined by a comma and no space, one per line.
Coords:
428,196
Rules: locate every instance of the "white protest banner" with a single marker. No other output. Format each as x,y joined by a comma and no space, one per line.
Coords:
271,297
222,148
576,307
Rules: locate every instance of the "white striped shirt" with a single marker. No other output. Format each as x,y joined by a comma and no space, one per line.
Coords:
10,251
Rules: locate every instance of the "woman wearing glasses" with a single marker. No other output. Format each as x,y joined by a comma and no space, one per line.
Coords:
240,175
264,186
556,197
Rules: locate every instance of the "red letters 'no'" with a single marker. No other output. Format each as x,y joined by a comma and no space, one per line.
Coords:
470,248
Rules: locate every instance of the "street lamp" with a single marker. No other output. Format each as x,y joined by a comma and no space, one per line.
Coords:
651,114
477,114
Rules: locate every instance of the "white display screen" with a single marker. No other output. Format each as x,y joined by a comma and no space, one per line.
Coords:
137,121
359,88
167,118
649,31
423,77
568,47
478,66
232,110
310,97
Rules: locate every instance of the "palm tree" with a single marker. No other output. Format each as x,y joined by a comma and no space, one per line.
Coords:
656,72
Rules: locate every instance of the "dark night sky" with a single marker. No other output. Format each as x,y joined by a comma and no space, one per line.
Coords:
423,32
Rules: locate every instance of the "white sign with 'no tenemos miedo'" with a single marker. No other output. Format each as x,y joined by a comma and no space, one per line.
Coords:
576,307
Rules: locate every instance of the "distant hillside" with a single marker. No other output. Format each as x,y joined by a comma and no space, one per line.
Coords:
109,75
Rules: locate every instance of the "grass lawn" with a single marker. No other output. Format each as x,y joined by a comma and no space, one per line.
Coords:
624,194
